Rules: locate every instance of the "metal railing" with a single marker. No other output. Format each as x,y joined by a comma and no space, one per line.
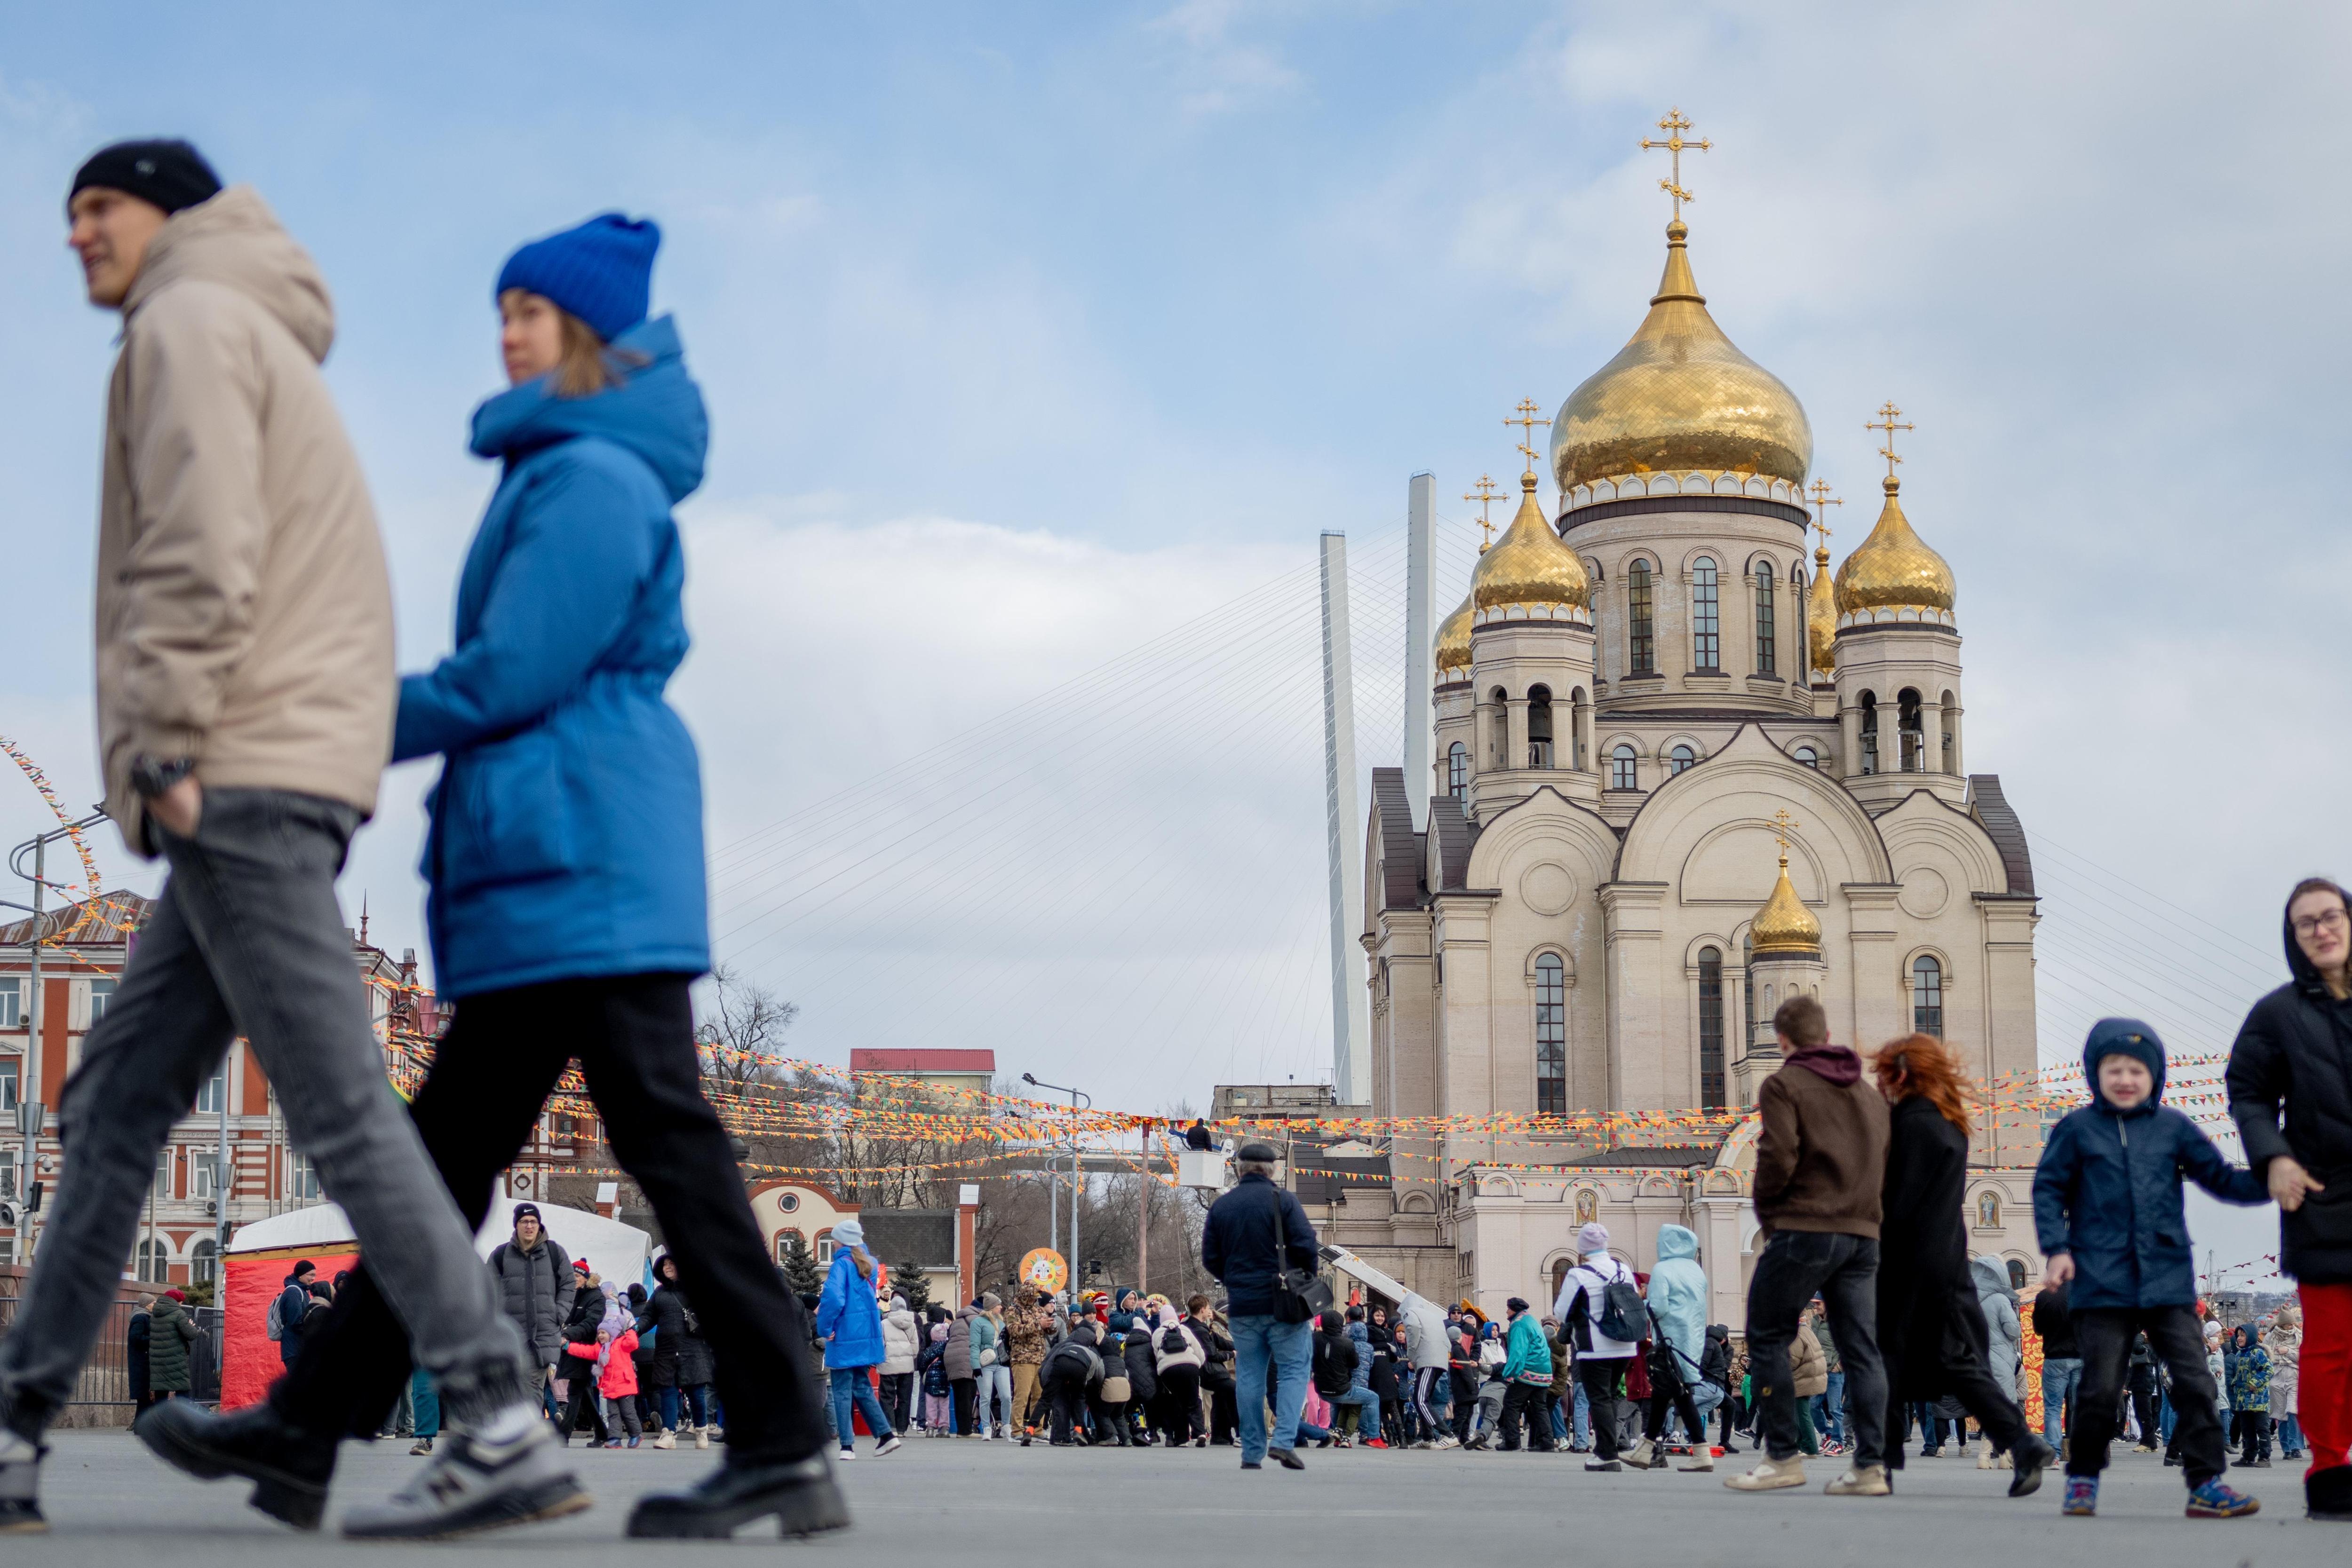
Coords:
105,1381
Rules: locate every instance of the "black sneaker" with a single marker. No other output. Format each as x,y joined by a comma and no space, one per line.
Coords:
2027,1462
288,1468
799,1494
20,1485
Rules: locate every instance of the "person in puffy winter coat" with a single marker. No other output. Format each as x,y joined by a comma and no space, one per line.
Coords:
169,1332
2004,1334
991,1397
901,1342
1177,1359
1142,1368
849,1316
2286,1375
1073,1373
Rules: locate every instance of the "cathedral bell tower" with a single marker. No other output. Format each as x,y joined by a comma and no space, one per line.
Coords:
1530,686
1898,659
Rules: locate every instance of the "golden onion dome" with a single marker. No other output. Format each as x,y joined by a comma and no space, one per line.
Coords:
1893,569
1530,565
1679,396
1784,925
1453,638
1820,616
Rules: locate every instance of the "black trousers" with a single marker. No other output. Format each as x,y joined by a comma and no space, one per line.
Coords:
1525,1402
2104,1336
1224,1413
1796,1266
1068,1394
502,1056
898,1400
1602,1381
1177,1407
1667,1391
963,1395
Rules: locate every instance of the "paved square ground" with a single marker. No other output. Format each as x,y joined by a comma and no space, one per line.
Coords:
962,1501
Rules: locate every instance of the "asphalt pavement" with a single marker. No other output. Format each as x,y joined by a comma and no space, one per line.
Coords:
967,1502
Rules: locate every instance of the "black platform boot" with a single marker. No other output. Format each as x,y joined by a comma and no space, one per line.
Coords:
290,1469
799,1494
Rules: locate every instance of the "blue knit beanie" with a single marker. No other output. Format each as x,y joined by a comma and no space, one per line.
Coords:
600,272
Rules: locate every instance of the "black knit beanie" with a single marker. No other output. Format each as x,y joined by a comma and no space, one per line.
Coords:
167,171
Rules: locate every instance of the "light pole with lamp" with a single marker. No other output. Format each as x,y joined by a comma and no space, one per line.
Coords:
1077,1175
28,1087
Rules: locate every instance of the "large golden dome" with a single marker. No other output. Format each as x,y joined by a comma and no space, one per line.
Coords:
1784,925
1893,570
1679,397
1454,639
1529,565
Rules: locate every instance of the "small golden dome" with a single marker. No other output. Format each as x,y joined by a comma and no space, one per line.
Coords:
1679,397
1893,569
1530,565
1784,925
1453,638
1820,616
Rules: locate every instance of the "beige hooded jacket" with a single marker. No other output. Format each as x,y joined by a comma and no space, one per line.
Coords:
244,610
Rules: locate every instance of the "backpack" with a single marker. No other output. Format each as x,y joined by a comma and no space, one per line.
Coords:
1622,1316
1173,1340
277,1324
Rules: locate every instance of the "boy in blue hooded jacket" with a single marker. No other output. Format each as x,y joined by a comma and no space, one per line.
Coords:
2107,1206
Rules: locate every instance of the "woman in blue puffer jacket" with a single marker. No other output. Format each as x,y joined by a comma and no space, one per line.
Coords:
849,1321
564,859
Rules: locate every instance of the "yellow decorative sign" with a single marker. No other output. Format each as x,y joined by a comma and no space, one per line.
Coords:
1045,1269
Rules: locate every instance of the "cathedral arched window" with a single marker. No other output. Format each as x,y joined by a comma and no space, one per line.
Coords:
1707,628
1870,732
1540,726
1951,734
1746,993
1579,714
1808,757
1457,769
1622,773
1768,658
1641,640
1928,996
1710,1027
1681,759
1910,719
1551,1037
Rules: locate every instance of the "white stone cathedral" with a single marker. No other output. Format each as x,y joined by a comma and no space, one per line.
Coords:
1639,703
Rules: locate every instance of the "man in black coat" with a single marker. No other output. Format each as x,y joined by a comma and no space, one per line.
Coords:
1254,1232
2290,1082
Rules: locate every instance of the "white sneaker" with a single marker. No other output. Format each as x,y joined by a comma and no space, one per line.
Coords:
847,1455
702,1437
890,1445
1772,1474
983,1434
1448,1441
473,1483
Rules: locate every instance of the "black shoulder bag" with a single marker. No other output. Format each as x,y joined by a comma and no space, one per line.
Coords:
1293,1304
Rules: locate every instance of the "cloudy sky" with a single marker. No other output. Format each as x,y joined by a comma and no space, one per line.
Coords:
1042,340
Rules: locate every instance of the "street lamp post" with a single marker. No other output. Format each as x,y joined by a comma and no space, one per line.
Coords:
28,1084
1078,1173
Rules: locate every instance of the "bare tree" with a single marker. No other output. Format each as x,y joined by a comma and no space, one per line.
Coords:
747,1023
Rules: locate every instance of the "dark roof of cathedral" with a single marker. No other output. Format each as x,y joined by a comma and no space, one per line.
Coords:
1400,867
2001,823
1451,825
1673,1156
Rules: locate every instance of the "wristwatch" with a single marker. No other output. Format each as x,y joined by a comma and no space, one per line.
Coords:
151,777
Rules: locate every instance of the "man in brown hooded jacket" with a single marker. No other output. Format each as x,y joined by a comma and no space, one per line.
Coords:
244,700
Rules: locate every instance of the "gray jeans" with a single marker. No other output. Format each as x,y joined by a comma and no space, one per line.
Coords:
246,939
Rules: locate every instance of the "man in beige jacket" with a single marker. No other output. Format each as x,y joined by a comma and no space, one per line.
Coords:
244,701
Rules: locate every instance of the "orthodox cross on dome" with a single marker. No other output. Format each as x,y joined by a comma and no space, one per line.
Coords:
1674,125
1823,501
1530,417
1784,825
1885,422
1485,496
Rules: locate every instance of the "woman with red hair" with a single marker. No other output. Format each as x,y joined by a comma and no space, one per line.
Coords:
1931,1328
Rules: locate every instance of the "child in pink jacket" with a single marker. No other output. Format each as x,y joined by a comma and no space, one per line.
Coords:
617,1379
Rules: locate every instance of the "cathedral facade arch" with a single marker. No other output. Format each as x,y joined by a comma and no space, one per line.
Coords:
1752,777
1542,950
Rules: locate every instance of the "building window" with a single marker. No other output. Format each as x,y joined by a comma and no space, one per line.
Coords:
1457,769
1928,996
101,997
825,1248
164,1159
1622,775
1768,658
1540,726
787,1243
1912,722
1951,739
203,1165
8,1085
2016,1274
12,1003
1707,641
1747,994
302,1179
789,1202
1682,759
1808,757
1710,1027
154,1257
1551,1037
213,1098
200,1262
1640,642
1869,732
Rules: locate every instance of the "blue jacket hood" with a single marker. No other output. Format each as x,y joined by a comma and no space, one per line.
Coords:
2123,1037
656,412
1677,1241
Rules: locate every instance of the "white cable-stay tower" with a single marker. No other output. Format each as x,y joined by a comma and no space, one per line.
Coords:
1351,1033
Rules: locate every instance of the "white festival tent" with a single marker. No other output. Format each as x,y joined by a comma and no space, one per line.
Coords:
617,1251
